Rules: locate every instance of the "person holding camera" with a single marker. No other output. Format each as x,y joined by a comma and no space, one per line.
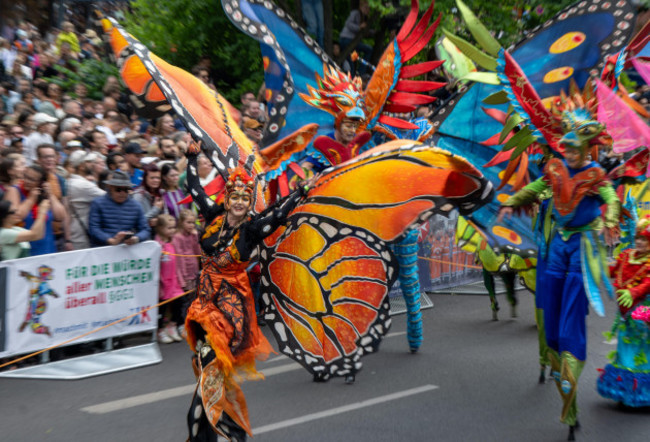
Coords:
33,190
116,218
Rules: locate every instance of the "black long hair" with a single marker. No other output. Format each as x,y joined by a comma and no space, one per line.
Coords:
5,210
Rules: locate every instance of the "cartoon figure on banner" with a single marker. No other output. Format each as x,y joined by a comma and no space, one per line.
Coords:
37,304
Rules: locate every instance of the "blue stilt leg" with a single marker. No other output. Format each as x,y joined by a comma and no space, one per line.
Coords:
407,256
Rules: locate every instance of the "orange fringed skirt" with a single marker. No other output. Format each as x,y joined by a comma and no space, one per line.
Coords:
225,310
223,315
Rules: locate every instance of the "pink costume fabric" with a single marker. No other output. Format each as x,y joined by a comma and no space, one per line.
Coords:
169,284
625,127
188,265
643,69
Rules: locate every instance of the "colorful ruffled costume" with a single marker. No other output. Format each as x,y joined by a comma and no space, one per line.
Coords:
627,378
547,114
574,253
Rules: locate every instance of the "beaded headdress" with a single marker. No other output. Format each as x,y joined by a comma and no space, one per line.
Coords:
239,183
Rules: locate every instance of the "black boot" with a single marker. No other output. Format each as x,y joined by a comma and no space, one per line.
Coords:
349,379
572,429
319,377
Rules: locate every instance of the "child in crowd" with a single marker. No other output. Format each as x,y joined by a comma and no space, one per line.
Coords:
170,282
186,243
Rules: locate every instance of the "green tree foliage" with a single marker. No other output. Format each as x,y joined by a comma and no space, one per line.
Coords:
508,19
182,31
92,73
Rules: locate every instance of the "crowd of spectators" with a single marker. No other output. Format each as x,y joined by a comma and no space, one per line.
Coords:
59,144
79,172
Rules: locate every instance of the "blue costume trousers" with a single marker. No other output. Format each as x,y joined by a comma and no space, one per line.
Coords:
564,300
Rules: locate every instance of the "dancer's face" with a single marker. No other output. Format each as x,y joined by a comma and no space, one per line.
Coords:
642,244
346,131
574,158
238,204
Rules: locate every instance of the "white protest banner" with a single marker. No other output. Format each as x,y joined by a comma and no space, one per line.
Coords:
52,298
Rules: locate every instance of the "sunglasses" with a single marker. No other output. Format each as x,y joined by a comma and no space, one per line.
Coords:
122,189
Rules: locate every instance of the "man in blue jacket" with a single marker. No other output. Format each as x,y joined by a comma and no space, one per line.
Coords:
115,218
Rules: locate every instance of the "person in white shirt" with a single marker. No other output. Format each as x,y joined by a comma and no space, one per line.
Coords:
45,126
81,192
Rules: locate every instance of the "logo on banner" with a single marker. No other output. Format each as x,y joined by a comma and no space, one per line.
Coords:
37,304
141,318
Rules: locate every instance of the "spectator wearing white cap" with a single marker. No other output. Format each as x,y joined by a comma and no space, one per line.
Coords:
81,192
71,124
65,136
45,126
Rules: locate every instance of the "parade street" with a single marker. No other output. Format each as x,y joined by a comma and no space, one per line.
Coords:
473,380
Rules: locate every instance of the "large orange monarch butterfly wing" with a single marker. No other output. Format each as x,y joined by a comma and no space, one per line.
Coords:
159,87
326,274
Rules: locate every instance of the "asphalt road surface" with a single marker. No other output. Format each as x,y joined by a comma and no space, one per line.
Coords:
472,380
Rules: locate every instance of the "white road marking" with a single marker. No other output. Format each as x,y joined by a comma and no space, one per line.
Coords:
143,399
343,409
281,357
276,359
280,369
148,398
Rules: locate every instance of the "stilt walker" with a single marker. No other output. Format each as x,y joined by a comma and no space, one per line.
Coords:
575,266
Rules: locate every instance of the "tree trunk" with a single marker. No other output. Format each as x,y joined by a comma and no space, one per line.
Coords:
345,52
378,43
327,25
297,10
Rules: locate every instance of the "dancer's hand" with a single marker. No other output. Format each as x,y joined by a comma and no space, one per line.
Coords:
624,298
309,182
503,212
192,148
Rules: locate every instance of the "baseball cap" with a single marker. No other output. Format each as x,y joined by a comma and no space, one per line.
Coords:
77,157
133,148
42,118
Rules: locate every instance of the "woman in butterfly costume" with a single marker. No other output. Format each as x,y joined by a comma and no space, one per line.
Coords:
627,378
221,323
327,266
